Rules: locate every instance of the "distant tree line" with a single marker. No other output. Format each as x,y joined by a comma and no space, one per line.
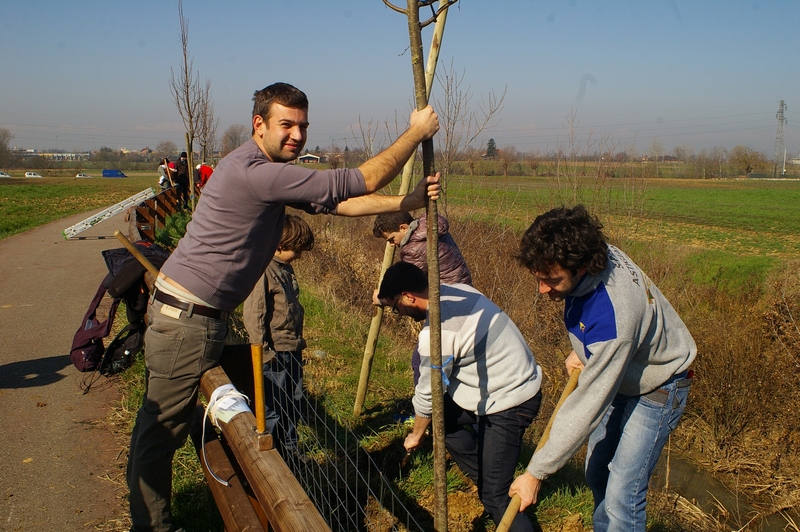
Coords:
491,159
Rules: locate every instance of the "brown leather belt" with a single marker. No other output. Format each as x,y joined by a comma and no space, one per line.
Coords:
190,308
683,380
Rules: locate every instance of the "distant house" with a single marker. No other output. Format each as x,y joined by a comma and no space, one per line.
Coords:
308,159
660,158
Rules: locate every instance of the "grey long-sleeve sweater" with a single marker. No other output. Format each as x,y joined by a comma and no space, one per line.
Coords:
486,359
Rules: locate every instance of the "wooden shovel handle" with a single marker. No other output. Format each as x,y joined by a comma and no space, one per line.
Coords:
513,507
257,355
136,253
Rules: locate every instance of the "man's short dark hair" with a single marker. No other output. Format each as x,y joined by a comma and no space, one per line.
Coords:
570,238
389,222
280,93
402,277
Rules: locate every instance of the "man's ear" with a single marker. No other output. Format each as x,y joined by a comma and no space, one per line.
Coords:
404,227
258,122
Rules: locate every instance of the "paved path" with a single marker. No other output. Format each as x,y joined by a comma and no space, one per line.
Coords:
62,468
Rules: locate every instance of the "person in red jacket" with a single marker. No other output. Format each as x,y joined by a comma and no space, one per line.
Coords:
201,175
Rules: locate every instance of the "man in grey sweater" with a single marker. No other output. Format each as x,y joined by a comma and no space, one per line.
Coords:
491,378
634,352
232,237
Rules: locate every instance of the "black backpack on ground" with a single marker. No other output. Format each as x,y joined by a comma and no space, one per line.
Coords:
124,282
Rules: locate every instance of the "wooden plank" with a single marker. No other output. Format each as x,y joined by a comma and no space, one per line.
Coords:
145,223
286,504
170,198
233,501
153,213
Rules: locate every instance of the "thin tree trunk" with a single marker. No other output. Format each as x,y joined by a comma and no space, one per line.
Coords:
434,315
190,163
388,254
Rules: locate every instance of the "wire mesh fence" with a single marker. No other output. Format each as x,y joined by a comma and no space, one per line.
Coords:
345,482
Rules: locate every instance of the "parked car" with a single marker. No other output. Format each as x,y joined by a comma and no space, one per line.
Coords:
32,174
3,174
82,175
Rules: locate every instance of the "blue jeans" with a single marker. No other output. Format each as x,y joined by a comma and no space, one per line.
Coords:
415,362
489,455
283,397
623,451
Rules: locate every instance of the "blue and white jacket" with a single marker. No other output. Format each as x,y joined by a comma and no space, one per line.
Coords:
631,341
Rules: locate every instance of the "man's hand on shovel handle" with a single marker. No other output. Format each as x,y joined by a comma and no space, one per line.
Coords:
526,486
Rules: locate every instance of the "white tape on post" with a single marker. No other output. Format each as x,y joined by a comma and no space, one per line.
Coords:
225,402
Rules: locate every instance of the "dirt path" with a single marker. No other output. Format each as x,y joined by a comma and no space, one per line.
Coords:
62,468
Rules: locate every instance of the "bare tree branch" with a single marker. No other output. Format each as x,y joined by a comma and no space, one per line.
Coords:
234,136
394,7
207,123
424,3
185,87
367,141
442,7
460,125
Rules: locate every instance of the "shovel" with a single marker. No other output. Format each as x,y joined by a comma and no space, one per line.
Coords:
513,506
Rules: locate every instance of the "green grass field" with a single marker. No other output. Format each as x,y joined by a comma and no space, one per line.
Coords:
755,206
29,203
734,228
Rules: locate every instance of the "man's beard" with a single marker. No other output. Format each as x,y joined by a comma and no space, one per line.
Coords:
417,314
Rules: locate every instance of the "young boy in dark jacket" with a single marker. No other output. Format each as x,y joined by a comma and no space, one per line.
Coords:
273,317
401,230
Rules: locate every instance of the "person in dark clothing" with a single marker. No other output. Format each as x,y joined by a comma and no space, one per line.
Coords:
399,229
182,180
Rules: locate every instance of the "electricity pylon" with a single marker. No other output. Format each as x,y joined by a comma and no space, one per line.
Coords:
779,157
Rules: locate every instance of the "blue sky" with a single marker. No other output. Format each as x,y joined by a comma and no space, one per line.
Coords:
701,73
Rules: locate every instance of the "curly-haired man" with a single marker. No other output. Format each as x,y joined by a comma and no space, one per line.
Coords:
634,352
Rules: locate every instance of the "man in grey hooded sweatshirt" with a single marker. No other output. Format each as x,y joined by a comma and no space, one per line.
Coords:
634,352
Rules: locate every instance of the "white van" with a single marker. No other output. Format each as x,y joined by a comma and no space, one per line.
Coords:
32,174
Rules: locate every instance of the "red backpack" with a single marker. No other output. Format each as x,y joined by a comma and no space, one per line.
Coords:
87,345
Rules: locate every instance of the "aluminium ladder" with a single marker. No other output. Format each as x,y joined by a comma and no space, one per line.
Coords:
93,220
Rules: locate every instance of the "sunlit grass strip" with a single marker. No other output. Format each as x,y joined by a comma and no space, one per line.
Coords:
24,206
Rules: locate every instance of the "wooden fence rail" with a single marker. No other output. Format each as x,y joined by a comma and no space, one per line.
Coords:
153,213
283,500
237,506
